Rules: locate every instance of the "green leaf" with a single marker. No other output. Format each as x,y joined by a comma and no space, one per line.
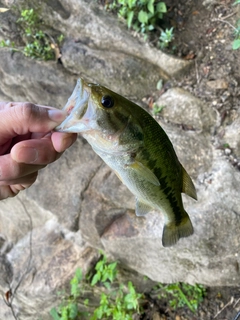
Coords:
73,310
236,2
160,84
236,44
54,314
161,7
78,274
113,265
143,17
130,16
107,285
131,3
95,278
150,6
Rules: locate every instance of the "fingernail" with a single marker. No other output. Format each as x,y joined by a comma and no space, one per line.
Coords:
69,139
56,115
27,155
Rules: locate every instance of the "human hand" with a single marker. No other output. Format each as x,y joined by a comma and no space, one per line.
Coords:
27,143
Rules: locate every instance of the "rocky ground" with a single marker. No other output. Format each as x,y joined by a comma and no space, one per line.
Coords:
205,36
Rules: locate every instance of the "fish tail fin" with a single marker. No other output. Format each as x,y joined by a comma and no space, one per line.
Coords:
173,231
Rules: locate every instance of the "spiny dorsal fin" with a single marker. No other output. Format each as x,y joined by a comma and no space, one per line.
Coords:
188,186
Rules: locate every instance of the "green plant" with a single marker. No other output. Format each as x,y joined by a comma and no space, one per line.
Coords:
7,44
38,44
157,109
118,305
165,38
105,272
183,294
141,15
236,41
68,310
115,303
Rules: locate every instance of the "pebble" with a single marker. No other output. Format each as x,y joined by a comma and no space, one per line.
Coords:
227,151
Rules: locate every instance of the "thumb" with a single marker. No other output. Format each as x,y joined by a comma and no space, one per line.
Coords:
22,118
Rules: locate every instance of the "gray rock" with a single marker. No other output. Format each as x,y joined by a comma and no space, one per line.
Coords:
182,108
99,47
69,179
78,205
24,79
43,262
110,68
210,256
232,136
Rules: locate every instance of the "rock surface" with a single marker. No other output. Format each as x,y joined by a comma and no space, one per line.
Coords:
182,108
78,205
100,48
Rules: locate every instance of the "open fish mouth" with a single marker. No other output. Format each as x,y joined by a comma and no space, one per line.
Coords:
76,108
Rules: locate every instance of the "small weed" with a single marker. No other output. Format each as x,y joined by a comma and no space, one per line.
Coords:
68,310
236,41
183,294
38,44
116,304
141,15
157,109
165,38
7,44
105,272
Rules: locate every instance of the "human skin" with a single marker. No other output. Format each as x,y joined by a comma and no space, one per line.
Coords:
28,144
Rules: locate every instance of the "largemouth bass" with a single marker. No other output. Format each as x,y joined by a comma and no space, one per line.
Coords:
135,146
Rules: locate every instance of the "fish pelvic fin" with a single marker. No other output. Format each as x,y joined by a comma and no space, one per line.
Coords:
172,232
142,208
188,186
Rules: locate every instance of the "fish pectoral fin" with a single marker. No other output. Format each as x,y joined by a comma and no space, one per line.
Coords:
145,172
188,186
172,232
142,208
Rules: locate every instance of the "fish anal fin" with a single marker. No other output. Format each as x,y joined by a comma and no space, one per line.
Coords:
146,173
142,208
172,232
188,186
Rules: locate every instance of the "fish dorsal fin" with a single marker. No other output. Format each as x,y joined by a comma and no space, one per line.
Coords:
142,208
146,173
188,186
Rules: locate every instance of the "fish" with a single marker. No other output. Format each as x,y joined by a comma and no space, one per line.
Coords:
133,144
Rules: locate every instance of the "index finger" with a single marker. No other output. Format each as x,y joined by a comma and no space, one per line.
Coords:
9,104
21,118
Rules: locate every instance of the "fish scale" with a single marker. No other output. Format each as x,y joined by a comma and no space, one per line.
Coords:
139,151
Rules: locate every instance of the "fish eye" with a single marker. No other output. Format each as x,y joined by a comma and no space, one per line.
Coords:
107,101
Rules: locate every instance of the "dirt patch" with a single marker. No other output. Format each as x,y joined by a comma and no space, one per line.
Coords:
220,303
